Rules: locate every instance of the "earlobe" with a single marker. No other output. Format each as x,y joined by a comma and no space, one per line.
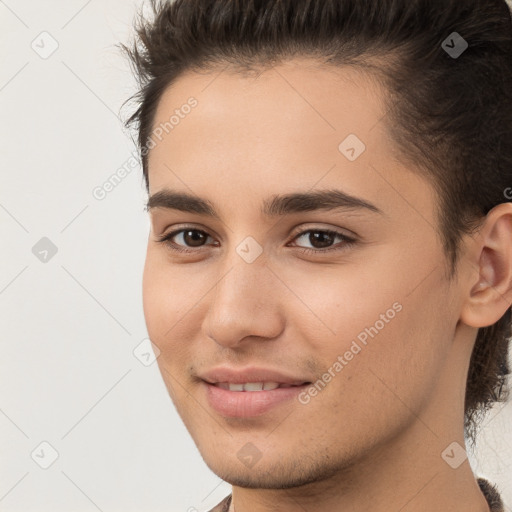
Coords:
491,295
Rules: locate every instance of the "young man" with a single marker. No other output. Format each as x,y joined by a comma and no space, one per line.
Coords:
329,268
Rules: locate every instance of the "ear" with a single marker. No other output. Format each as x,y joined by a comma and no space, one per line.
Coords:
490,289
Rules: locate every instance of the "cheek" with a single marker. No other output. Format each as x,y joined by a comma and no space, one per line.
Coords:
366,291
376,375
378,320
175,302
392,356
165,296
168,295
154,298
331,304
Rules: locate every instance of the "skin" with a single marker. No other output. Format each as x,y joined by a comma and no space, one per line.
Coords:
372,439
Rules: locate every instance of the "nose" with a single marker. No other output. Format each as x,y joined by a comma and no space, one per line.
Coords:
245,303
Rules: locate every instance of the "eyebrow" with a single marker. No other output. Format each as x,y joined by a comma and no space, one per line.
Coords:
277,205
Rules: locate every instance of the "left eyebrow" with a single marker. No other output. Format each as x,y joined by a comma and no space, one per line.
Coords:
277,205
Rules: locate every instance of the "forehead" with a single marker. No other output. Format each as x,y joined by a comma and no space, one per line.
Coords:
285,110
298,125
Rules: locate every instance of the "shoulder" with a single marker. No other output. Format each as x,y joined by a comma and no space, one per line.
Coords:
489,491
491,495
223,506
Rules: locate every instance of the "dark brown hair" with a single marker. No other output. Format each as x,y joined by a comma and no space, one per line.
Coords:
449,115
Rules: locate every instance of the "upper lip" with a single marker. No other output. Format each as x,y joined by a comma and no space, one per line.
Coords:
250,374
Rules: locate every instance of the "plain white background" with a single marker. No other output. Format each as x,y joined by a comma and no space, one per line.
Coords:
75,384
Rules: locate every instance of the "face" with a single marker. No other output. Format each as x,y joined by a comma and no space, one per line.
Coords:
348,296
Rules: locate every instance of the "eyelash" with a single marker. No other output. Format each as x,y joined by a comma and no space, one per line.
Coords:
347,241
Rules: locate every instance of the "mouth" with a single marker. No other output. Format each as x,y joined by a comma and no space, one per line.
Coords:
256,386
250,399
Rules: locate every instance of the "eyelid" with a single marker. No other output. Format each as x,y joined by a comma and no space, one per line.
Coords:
186,227
315,227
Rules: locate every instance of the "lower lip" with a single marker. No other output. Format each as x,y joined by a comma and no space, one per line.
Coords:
246,404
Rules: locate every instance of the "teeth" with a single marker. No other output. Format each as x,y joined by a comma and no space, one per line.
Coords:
253,386
250,386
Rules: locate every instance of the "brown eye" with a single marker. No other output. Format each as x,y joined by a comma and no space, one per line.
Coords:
322,240
194,237
186,239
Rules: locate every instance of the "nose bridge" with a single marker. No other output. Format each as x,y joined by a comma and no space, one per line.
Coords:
243,303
